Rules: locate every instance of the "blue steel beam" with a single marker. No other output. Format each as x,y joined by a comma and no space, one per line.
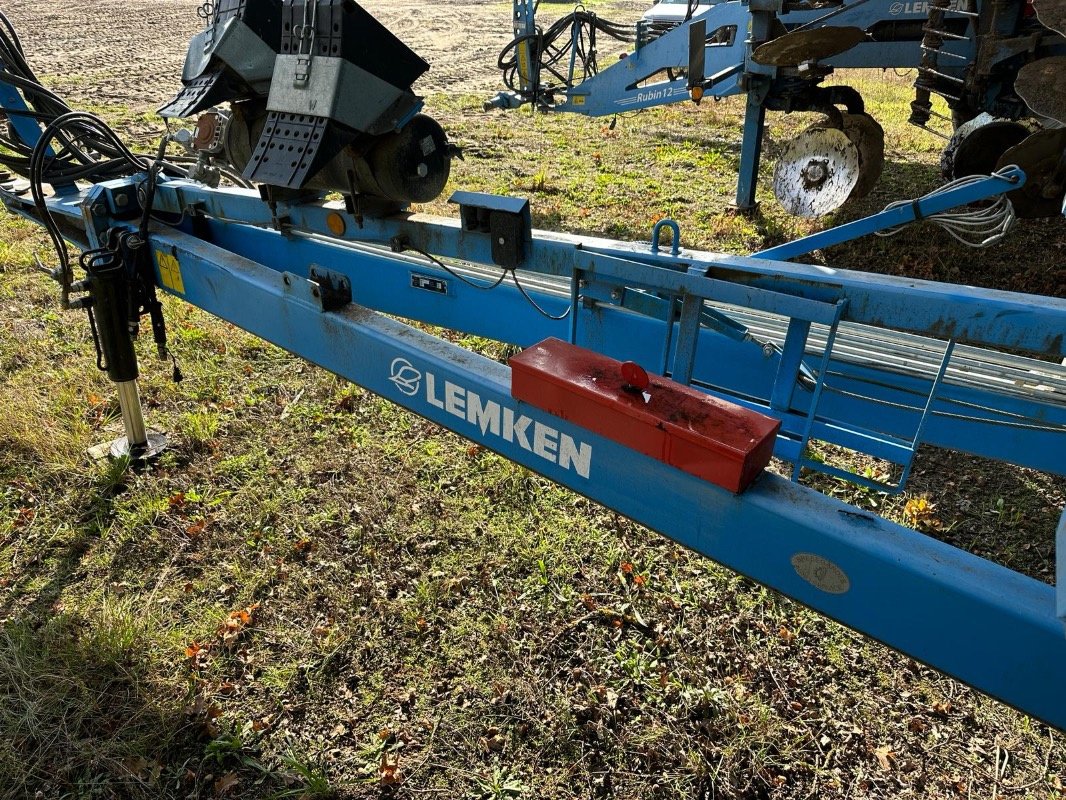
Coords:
640,79
988,626
856,397
1060,569
969,315
962,418
1008,180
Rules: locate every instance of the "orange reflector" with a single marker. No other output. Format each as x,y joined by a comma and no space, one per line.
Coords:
336,223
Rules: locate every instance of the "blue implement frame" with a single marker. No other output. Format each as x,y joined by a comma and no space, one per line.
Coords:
702,318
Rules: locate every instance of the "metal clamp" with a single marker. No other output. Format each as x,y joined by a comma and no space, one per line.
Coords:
305,35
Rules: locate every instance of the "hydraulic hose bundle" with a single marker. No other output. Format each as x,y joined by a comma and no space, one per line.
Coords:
573,35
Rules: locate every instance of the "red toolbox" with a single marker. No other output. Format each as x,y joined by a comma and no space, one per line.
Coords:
715,440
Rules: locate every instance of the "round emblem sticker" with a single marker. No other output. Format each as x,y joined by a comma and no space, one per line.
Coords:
821,573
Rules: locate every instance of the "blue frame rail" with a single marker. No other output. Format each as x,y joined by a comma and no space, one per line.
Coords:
243,261
630,306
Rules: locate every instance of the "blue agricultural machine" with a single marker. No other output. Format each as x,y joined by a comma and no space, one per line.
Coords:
995,64
656,380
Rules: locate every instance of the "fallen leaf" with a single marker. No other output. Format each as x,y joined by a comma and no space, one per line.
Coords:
942,707
389,770
136,766
226,783
236,622
884,756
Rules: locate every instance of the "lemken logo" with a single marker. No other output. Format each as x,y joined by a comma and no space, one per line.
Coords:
917,7
493,419
406,378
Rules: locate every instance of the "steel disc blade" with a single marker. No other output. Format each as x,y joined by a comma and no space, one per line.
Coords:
1041,158
816,172
795,48
977,146
869,138
1042,85
1052,14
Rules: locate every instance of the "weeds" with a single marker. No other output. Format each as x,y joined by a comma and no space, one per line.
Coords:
500,784
311,782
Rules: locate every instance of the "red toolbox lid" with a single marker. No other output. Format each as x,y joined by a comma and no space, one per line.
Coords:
679,411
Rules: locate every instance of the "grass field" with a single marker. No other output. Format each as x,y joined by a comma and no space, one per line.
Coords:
314,594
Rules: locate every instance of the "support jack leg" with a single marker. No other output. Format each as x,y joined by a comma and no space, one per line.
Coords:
108,303
139,444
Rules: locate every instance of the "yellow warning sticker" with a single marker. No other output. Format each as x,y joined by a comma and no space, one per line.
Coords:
523,64
170,272
579,100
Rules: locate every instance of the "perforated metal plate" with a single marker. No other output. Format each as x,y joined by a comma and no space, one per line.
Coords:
208,90
291,150
869,137
817,172
1052,14
1041,157
795,48
231,59
1042,85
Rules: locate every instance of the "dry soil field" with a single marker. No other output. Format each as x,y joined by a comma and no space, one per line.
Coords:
130,53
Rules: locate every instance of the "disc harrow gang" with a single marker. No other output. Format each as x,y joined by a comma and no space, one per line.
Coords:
799,47
967,55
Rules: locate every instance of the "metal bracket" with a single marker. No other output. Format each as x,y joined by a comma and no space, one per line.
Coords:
506,220
334,290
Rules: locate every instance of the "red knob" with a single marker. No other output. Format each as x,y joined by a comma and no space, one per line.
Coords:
634,376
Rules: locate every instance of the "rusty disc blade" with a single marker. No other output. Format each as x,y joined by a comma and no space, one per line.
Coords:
1041,158
816,172
869,137
1052,14
1042,85
796,47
